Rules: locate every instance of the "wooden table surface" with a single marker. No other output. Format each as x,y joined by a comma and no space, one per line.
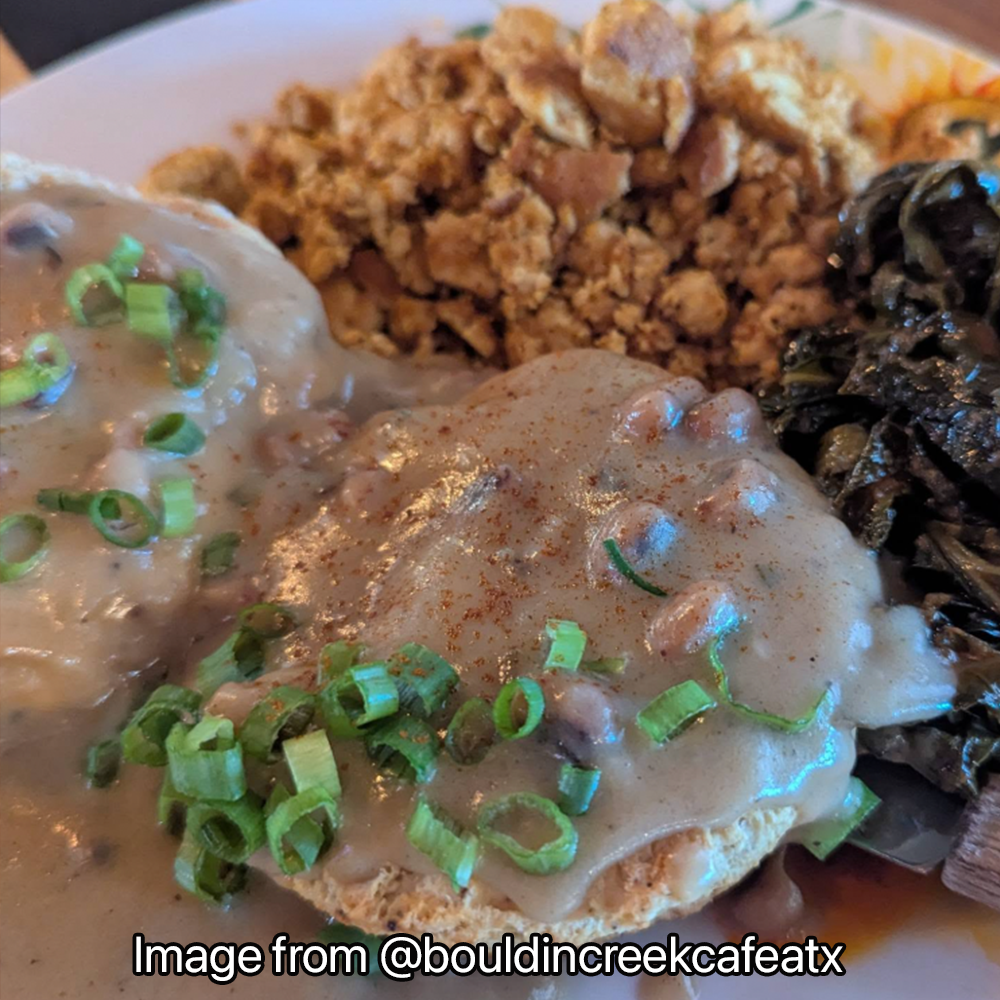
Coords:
975,20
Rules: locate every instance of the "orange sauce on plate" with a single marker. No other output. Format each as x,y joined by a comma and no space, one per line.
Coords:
863,901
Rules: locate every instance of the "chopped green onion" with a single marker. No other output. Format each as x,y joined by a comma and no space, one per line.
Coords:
577,786
172,807
281,715
337,933
219,555
306,838
206,876
126,257
605,665
505,709
144,738
568,644
102,764
174,433
425,679
360,696
285,832
670,713
337,657
190,374
204,305
64,501
205,761
230,830
824,836
180,510
555,855
405,745
434,833
768,719
153,311
621,564
24,543
267,621
311,763
471,732
44,365
98,284
122,518
240,658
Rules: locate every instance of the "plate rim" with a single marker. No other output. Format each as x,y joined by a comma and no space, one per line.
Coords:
127,36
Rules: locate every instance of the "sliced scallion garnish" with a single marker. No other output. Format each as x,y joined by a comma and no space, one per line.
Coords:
122,518
605,665
94,295
204,305
360,696
291,846
174,433
219,555
311,762
192,361
44,368
405,745
125,258
207,876
240,658
824,836
568,643
205,760
555,855
425,679
172,807
670,713
434,833
621,564
64,501
521,698
337,657
153,311
280,715
306,837
102,763
144,738
471,732
180,509
768,719
230,830
24,543
577,787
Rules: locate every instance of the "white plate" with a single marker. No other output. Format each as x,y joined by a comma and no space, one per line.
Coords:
118,108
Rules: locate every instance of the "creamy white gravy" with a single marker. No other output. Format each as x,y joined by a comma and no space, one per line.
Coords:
467,527
464,527
93,612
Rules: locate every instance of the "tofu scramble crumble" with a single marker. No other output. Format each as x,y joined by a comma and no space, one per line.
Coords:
663,190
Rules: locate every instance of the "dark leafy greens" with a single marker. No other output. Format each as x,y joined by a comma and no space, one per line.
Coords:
897,413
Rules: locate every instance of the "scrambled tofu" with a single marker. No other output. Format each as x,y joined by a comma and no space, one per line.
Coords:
660,190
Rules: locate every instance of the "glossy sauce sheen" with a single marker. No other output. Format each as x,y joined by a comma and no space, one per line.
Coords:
463,527
93,612
467,527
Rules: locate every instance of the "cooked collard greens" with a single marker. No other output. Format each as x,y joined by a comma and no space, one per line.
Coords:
897,414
